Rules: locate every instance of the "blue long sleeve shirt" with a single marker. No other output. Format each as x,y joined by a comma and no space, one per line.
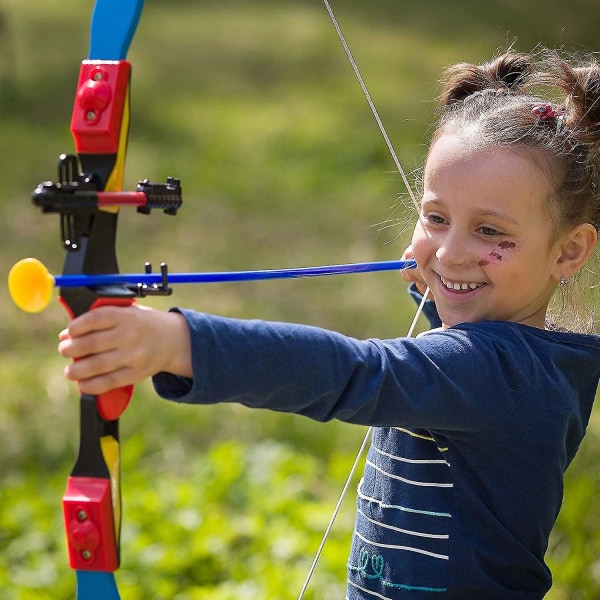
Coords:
474,428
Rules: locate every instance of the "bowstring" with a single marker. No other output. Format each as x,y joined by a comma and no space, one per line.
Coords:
355,464
413,325
372,106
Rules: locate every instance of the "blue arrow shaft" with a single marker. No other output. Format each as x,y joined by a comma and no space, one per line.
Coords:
229,276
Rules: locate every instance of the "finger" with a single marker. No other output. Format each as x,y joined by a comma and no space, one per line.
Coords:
408,254
104,317
106,382
412,275
95,365
89,344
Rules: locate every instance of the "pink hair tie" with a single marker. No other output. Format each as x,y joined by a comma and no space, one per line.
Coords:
545,111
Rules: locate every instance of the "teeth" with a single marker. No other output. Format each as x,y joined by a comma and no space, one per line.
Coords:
453,285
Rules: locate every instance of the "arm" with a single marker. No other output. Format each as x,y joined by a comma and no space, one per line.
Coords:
432,382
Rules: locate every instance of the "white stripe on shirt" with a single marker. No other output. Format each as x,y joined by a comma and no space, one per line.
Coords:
397,547
433,461
409,481
406,531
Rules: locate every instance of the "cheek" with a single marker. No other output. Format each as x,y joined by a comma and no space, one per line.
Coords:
498,254
421,244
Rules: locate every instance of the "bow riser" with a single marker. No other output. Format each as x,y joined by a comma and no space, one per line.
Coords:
92,499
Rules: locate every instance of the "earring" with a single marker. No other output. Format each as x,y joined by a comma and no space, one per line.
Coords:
563,281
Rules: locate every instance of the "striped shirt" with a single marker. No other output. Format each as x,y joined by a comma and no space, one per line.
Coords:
474,428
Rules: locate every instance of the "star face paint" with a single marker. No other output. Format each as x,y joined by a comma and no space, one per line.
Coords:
497,254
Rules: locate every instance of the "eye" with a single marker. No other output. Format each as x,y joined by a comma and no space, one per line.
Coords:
489,231
435,219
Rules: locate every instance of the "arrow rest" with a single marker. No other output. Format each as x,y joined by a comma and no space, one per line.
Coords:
155,289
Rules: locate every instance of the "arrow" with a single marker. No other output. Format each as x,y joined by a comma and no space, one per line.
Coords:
30,283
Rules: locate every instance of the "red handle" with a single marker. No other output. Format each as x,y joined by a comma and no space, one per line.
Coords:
111,404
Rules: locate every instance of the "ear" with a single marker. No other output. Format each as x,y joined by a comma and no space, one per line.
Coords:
576,247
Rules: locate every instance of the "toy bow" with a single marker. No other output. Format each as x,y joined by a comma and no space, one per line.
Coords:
100,123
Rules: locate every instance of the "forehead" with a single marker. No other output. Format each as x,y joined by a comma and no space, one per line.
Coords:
463,151
457,168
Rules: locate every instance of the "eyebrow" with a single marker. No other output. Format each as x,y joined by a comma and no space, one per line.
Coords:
499,214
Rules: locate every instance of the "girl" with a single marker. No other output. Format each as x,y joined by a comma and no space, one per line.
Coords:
475,421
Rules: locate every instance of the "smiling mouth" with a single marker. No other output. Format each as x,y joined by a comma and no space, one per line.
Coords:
459,286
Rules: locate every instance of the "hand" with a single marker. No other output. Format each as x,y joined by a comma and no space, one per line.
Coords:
116,346
414,275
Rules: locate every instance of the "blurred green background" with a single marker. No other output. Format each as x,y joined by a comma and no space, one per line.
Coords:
255,107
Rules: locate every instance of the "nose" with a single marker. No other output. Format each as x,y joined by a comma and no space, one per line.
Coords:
453,250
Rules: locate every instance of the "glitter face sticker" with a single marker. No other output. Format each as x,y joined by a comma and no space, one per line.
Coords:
497,254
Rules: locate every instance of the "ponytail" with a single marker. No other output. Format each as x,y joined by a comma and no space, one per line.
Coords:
507,73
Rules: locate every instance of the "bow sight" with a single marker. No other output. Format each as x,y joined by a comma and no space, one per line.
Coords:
77,197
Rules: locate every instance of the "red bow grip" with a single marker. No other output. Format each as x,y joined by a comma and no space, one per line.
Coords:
111,404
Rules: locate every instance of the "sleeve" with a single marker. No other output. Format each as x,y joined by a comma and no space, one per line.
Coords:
429,308
433,382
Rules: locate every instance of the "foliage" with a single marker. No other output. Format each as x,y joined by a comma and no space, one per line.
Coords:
238,522
254,107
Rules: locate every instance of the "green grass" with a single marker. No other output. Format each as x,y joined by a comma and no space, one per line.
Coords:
254,106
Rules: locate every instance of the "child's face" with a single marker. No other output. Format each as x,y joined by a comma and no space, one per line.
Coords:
484,241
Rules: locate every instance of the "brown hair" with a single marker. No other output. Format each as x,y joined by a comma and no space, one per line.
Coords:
535,102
